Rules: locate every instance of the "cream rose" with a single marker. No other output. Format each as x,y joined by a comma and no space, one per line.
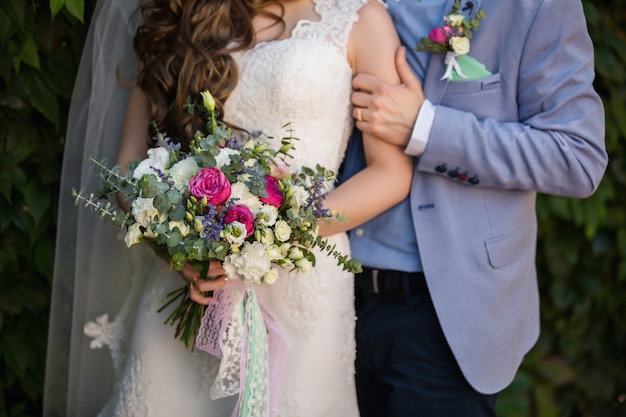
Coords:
182,226
243,196
282,231
133,235
270,276
460,45
144,211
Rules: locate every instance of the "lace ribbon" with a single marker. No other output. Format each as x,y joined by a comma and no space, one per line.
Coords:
238,328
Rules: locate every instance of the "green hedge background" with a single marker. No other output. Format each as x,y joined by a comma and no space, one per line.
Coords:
578,368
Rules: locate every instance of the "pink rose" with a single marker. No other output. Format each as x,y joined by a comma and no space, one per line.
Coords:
439,35
243,215
274,197
212,184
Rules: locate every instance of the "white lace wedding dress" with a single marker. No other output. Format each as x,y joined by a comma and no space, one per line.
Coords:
304,80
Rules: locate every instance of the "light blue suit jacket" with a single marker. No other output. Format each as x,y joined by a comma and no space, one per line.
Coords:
535,125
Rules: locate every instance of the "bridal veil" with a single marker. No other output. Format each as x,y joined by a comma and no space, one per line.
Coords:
93,273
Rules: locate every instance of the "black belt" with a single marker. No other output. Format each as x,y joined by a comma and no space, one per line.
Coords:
389,282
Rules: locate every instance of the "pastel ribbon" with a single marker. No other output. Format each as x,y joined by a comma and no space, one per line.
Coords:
452,65
238,328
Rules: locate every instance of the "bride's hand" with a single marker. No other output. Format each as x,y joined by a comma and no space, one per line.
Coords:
199,286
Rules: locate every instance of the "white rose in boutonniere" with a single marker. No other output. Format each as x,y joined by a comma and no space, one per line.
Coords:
453,40
460,45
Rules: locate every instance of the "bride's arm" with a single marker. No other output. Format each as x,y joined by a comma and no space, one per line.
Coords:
386,179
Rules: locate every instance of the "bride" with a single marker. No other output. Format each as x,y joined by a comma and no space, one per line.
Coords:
266,62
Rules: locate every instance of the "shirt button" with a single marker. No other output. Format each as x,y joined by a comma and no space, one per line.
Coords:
359,232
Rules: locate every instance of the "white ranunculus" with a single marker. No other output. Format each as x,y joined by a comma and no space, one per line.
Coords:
303,265
133,235
182,171
251,263
267,215
299,196
273,253
282,231
144,211
270,276
243,196
182,226
460,45
158,158
223,158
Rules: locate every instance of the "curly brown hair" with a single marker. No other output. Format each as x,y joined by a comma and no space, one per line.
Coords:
184,47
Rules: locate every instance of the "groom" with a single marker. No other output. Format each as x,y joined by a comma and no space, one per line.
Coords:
448,303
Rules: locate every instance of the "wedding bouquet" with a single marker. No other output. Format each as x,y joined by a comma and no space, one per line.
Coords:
231,198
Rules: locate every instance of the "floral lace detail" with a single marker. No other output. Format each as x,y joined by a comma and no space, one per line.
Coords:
291,404
114,334
131,392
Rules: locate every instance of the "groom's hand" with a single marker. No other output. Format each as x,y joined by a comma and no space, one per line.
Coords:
388,111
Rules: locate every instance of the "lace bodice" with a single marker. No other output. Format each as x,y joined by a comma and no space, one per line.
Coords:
303,80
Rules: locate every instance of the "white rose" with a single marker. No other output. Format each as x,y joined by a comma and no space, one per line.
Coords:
304,265
157,158
251,263
133,235
274,253
223,158
270,276
296,253
460,45
267,215
267,236
182,226
299,196
243,196
182,171
235,233
144,211
282,231
456,19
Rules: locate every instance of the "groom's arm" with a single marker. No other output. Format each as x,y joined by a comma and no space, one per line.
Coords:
557,144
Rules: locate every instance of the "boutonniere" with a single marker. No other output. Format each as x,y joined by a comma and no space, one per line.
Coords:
453,39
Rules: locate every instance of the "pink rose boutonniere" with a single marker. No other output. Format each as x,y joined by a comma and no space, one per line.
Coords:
453,39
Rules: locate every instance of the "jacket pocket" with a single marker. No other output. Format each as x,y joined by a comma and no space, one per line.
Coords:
481,97
504,249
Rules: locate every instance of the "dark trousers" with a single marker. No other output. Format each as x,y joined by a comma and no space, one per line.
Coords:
404,366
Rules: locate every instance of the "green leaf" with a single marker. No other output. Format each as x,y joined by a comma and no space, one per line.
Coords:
76,8
15,10
42,98
37,199
30,52
55,7
5,25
